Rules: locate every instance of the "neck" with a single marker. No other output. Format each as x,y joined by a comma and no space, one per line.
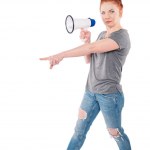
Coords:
113,29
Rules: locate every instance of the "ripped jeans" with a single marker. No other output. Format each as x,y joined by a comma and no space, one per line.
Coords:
111,106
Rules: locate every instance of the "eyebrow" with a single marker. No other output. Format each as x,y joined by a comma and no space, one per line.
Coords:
108,10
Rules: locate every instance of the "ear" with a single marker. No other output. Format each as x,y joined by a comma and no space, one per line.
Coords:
121,12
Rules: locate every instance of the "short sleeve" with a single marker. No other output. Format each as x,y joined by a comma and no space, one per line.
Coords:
100,36
121,37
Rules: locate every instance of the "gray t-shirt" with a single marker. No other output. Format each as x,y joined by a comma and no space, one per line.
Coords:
105,68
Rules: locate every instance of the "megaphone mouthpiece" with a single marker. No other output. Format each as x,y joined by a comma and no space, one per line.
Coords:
72,24
92,22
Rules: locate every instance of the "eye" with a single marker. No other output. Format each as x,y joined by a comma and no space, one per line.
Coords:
102,13
111,11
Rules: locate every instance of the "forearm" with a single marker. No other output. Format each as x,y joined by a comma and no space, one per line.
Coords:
87,58
83,50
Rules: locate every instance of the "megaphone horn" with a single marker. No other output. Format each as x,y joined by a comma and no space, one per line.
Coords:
72,24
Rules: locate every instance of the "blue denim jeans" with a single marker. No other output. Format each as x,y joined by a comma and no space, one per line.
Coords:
111,106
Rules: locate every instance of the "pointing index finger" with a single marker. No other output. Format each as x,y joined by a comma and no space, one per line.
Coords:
44,58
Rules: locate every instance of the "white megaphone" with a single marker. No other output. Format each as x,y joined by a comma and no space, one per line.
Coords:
72,24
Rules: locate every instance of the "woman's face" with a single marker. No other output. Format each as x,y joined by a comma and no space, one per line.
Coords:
110,14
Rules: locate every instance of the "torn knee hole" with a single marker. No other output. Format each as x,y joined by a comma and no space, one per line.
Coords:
82,114
114,132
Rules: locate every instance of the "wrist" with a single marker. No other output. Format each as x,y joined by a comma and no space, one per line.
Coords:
62,55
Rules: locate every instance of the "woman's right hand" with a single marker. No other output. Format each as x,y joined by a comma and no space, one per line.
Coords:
85,36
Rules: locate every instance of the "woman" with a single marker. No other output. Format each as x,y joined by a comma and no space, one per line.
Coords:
103,90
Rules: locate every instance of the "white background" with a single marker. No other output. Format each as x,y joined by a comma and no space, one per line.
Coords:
38,106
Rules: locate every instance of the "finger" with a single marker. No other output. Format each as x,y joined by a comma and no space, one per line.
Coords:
44,58
57,61
82,35
51,66
87,33
52,63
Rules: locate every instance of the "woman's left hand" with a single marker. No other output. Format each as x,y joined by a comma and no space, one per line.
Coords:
53,60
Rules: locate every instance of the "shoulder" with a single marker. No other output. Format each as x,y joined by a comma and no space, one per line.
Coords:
120,33
121,37
101,35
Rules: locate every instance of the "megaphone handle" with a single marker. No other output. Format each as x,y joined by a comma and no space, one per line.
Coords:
84,28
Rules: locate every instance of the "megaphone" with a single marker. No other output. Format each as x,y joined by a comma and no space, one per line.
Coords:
73,24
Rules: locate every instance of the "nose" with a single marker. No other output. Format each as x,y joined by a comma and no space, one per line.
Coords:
106,16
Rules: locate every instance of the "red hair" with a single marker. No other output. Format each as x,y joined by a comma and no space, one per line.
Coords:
117,2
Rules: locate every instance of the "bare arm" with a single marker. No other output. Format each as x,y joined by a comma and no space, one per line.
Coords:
85,36
100,46
87,58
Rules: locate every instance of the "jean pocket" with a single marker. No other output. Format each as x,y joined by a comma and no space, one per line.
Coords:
111,96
